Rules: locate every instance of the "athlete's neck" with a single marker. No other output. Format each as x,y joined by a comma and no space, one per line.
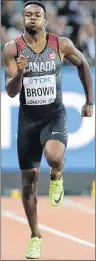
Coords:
33,39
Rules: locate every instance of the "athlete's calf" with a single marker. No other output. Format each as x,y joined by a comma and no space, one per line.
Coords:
29,198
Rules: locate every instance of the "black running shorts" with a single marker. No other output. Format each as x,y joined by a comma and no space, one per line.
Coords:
33,134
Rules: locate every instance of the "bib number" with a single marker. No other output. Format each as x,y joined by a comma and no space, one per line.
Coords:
40,90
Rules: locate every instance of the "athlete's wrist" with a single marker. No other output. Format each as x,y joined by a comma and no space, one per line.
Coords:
20,71
89,103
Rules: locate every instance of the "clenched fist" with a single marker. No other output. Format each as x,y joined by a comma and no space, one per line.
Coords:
87,110
22,62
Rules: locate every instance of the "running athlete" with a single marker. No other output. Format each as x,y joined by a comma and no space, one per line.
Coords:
33,64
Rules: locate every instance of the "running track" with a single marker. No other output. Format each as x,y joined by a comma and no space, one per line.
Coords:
68,231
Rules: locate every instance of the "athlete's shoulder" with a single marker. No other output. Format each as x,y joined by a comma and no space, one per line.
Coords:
61,39
9,44
10,48
64,43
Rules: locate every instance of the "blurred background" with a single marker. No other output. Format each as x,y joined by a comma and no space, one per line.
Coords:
75,20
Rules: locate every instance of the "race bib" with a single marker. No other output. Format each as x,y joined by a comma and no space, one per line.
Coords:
40,90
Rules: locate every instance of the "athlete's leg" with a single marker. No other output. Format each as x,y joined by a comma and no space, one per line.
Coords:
29,198
54,138
29,155
54,153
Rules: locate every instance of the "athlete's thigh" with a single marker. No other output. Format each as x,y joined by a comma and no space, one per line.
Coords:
56,129
29,148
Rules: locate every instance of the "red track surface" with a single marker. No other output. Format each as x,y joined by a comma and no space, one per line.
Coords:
74,218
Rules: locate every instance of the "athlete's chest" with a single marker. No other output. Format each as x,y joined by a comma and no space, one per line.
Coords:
40,77
45,62
41,66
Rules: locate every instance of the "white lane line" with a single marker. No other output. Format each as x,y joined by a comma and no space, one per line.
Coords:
78,206
23,220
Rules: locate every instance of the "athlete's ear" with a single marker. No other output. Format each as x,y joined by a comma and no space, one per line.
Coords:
45,22
22,21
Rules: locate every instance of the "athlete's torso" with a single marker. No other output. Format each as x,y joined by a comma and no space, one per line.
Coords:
41,92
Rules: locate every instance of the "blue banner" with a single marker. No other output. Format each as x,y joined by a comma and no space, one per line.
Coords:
80,153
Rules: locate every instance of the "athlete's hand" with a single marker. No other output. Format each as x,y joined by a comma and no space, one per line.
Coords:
22,63
87,111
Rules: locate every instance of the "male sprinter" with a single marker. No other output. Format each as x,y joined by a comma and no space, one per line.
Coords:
33,66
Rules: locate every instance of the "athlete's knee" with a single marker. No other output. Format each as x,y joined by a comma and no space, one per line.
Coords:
29,181
54,153
54,159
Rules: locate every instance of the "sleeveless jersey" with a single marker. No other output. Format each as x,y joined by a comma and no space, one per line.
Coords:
41,91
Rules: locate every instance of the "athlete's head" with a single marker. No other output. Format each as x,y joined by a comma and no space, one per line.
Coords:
34,17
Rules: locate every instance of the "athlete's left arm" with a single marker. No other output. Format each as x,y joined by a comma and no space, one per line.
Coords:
73,55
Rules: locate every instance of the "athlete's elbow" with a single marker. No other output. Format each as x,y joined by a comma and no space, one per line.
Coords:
10,94
83,62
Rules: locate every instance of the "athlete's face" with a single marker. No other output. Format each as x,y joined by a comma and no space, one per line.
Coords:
34,19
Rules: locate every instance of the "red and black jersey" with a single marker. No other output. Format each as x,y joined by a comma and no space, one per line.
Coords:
41,92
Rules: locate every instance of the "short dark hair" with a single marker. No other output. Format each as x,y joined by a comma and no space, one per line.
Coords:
35,3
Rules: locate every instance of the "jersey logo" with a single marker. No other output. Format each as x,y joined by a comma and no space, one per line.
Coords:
56,132
52,55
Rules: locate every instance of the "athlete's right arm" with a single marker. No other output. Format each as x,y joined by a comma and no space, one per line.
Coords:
14,69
